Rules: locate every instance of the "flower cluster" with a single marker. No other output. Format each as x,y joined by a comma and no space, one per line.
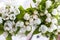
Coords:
44,18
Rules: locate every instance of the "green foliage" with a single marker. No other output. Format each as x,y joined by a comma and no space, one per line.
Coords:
48,24
34,1
54,5
30,10
42,6
9,37
1,29
43,19
22,12
27,32
59,21
52,35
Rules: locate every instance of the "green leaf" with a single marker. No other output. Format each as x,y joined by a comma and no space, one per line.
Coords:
30,10
48,24
9,37
1,29
43,19
27,32
54,5
34,1
22,12
42,6
58,21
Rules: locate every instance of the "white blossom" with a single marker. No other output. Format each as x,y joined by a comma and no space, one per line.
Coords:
28,28
52,28
26,23
2,37
5,16
14,10
54,12
48,15
58,28
26,16
31,21
48,19
5,34
37,21
54,38
37,2
22,30
43,28
15,38
46,11
2,5
9,26
34,16
12,17
20,24
35,12
17,11
54,21
48,3
58,8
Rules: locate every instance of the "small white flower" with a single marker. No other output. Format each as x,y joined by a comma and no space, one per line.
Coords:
35,12
22,30
2,5
58,28
1,21
5,34
43,29
54,12
46,11
52,28
26,16
20,24
8,25
15,38
54,21
48,19
28,28
26,23
34,16
54,38
37,21
48,15
2,37
48,3
58,8
12,17
31,21
14,10
17,11
5,16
